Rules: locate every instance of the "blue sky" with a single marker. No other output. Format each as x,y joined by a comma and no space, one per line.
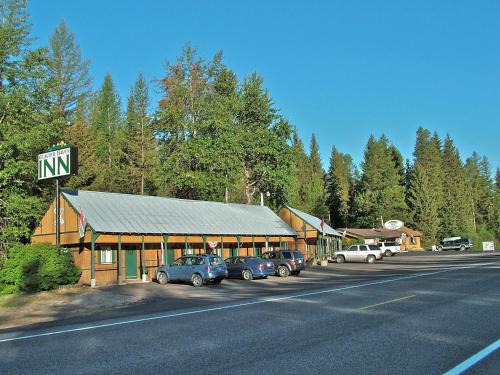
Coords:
343,70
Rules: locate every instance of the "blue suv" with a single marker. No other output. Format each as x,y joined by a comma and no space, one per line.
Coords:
196,269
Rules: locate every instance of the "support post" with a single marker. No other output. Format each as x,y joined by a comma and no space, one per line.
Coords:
58,219
238,240
119,260
222,246
185,245
93,238
204,244
253,245
143,262
267,243
165,249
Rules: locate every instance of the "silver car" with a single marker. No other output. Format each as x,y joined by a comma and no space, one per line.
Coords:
359,253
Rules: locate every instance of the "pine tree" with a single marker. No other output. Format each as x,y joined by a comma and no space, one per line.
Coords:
68,71
79,135
140,145
425,191
458,207
340,187
27,125
381,193
316,195
300,185
424,209
107,128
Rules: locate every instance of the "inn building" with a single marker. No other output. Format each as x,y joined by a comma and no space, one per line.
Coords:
127,237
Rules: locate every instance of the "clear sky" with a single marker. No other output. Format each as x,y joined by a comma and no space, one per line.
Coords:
341,69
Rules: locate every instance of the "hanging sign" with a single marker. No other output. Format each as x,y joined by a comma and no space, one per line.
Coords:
58,162
393,224
82,222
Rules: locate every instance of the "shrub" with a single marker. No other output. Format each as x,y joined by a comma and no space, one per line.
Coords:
32,268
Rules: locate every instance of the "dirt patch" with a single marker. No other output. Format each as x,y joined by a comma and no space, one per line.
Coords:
24,309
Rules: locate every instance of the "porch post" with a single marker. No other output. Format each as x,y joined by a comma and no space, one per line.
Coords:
143,262
204,244
185,245
267,243
222,247
238,240
119,260
93,237
165,249
253,245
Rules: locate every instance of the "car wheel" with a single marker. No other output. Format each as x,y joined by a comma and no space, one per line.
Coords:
388,253
370,259
162,278
283,271
462,248
340,259
439,248
296,273
196,280
246,275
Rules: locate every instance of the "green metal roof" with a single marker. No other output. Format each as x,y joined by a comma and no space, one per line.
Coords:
126,213
315,222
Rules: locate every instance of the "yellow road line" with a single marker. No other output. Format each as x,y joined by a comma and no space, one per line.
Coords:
386,302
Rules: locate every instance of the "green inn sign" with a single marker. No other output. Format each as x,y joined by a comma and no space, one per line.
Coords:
58,163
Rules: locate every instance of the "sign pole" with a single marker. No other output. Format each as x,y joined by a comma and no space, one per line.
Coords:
58,218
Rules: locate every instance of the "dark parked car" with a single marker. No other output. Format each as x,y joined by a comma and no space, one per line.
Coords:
286,261
455,243
248,268
196,269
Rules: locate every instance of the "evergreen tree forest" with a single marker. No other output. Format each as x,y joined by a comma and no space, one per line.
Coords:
212,136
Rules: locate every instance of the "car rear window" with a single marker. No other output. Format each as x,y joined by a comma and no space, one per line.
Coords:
215,261
287,255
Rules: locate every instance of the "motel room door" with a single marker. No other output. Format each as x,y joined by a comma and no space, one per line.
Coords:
131,263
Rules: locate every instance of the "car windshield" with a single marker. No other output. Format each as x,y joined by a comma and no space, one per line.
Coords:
298,255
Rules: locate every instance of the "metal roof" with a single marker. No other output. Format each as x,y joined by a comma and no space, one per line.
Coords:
126,213
315,222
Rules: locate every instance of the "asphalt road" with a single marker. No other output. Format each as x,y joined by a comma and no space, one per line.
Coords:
407,314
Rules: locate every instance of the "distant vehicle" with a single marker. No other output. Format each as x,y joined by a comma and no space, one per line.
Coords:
248,268
454,243
196,269
359,253
389,248
286,261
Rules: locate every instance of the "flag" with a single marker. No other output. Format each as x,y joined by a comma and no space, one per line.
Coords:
322,225
304,229
82,222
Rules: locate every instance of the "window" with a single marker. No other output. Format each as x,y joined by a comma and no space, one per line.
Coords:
215,261
363,248
287,255
106,256
298,255
374,247
353,248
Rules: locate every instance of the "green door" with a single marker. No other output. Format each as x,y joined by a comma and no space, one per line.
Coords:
131,264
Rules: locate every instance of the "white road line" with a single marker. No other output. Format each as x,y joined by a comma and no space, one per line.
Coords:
471,361
250,303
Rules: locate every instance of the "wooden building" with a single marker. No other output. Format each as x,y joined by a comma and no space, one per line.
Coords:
315,238
409,239
128,236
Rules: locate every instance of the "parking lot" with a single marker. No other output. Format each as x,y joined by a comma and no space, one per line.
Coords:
410,313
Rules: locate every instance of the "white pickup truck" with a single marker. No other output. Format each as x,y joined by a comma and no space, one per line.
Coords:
389,248
359,253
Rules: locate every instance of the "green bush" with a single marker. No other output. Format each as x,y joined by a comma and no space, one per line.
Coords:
32,268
